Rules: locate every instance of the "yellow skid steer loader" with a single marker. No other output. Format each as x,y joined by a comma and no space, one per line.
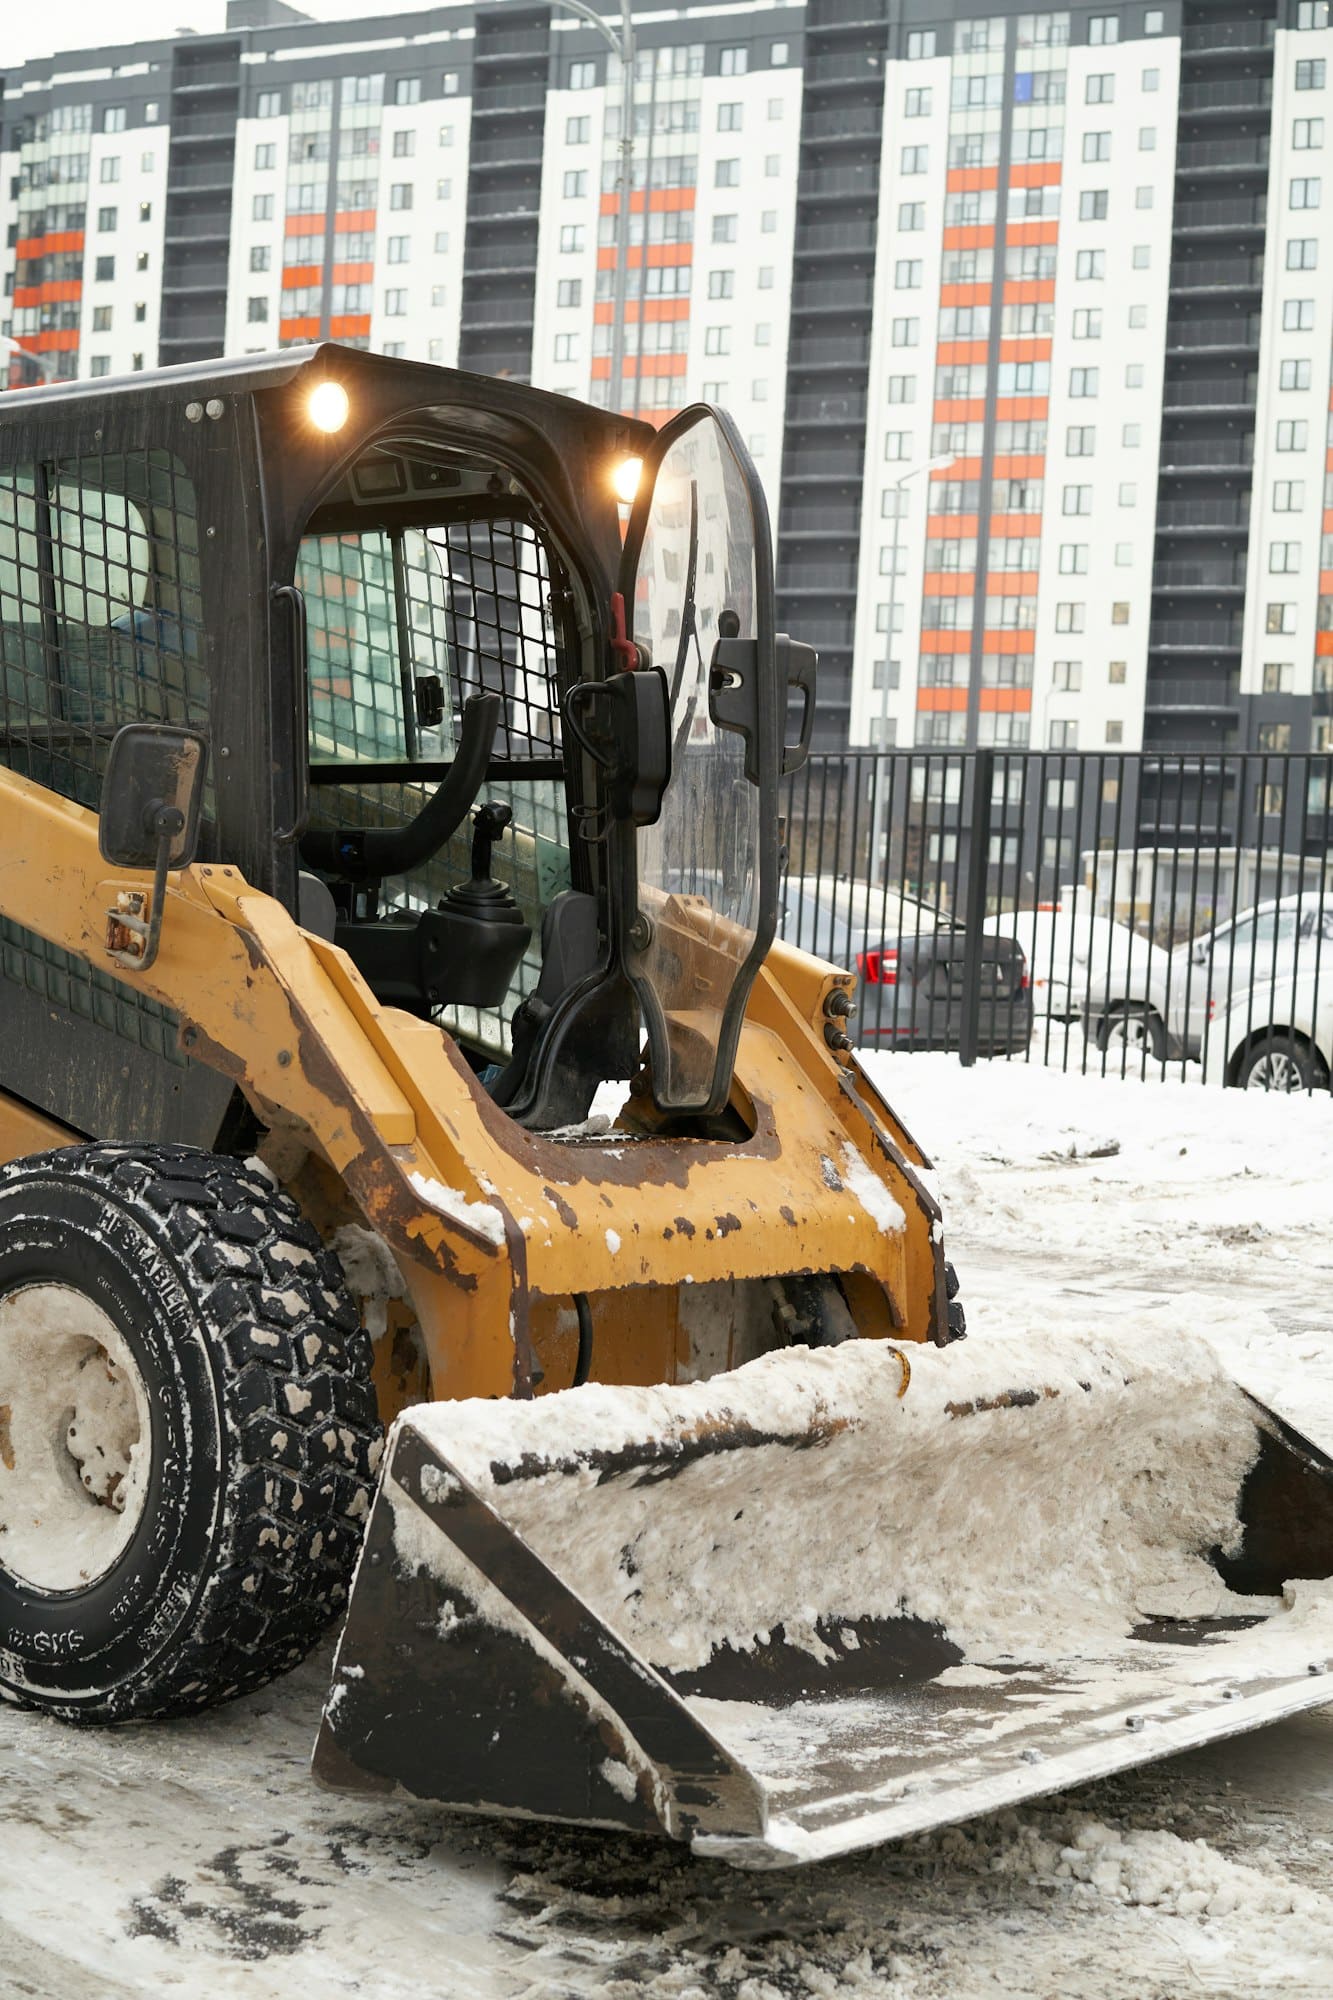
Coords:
393,1034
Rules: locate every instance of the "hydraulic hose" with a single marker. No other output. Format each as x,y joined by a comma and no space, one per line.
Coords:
583,1365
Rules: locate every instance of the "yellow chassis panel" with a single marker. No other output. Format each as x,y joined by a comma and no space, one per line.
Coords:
392,1107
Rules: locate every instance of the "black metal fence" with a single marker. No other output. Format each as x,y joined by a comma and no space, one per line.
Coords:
1150,915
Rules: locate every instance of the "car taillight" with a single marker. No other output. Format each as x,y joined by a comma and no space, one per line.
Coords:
1024,983
878,968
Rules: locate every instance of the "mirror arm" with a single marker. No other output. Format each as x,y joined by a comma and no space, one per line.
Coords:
129,940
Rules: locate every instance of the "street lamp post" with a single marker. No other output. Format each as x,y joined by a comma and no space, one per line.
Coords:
878,859
622,47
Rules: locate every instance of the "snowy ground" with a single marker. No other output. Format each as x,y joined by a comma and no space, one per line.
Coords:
197,1857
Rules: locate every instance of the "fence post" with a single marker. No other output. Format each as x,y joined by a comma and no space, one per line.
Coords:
974,910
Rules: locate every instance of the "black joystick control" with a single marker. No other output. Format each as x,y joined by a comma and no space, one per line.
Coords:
484,934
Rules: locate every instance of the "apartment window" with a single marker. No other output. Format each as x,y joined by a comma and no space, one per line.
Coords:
1138,316
1302,253
1077,500
916,104
1293,434
400,249
1115,732
1147,144
763,334
1073,558
1151,79
256,311
765,277
727,174
1067,676
1080,441
728,117
921,45
1131,435
768,222
407,90
136,363
1298,316
1134,375
101,319
1279,677
724,229
573,236
404,145
400,195
578,131
110,169
107,219
1154,20
1305,193
1096,146
261,208
902,388
777,54
1103,30
438,296
1274,736
141,261
1310,75
1284,558
1088,323
1063,735
1293,375
905,333
775,110
583,76
1069,617
733,62
566,347
1128,495
911,215
721,284
395,304
1090,264
1288,496
759,392
450,81
772,166
1307,134
265,157
268,104
1280,618
717,340
140,311
569,292
575,185
1099,90
113,118
442,242
898,445
907,274
1092,205
104,270
443,190
1083,381
1142,256
914,159
100,364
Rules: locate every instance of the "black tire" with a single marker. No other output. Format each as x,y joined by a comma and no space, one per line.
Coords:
1277,1061
261,1422
957,1316
1135,1030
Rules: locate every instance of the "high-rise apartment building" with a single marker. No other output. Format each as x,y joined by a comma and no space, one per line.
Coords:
1026,316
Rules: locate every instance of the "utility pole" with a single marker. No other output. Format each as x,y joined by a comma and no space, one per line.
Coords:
622,47
878,859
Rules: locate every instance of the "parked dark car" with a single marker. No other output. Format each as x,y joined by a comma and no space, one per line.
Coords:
910,960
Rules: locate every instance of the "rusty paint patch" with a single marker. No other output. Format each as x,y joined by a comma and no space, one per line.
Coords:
6,1445
788,1215
685,1226
726,1223
1008,1399
562,1208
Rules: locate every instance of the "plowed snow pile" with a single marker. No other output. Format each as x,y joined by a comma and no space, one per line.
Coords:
1028,1495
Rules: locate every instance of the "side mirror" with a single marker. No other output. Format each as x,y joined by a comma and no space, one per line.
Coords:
624,724
152,796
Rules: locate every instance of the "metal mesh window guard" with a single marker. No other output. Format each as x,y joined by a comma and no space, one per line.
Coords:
468,605
101,618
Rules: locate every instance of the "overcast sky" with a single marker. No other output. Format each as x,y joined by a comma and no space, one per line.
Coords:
29,28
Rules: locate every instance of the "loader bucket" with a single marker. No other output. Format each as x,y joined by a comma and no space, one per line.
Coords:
793,1611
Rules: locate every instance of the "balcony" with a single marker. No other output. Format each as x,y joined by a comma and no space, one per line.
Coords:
193,125
1187,515
1224,274
205,75
1195,155
830,350
521,150
834,183
501,98
813,408
1230,38
835,239
1207,454
502,204
858,123
1194,635
1248,93
1189,336
840,295
1236,216
1190,696
821,523
854,66
1220,574
1220,392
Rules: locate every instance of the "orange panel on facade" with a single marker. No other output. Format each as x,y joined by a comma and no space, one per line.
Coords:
349,326
304,225
360,219
1009,642
353,274
1027,348
296,275
1323,645
961,352
298,329
1028,291
970,236
653,309
62,340
1034,173
1020,409
658,253
1016,465
49,246
946,525
1015,524
653,364
965,295
941,698
970,409
1038,230
1011,583
661,201
1006,701
946,642
966,180
949,583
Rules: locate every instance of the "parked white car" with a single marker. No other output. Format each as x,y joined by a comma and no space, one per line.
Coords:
1278,1036
1169,1002
1069,952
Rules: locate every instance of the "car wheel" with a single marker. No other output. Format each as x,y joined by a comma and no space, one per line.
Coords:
1280,1062
1127,1034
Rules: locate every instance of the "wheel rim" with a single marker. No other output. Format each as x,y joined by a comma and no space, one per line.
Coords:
74,1439
1276,1069
1129,1031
